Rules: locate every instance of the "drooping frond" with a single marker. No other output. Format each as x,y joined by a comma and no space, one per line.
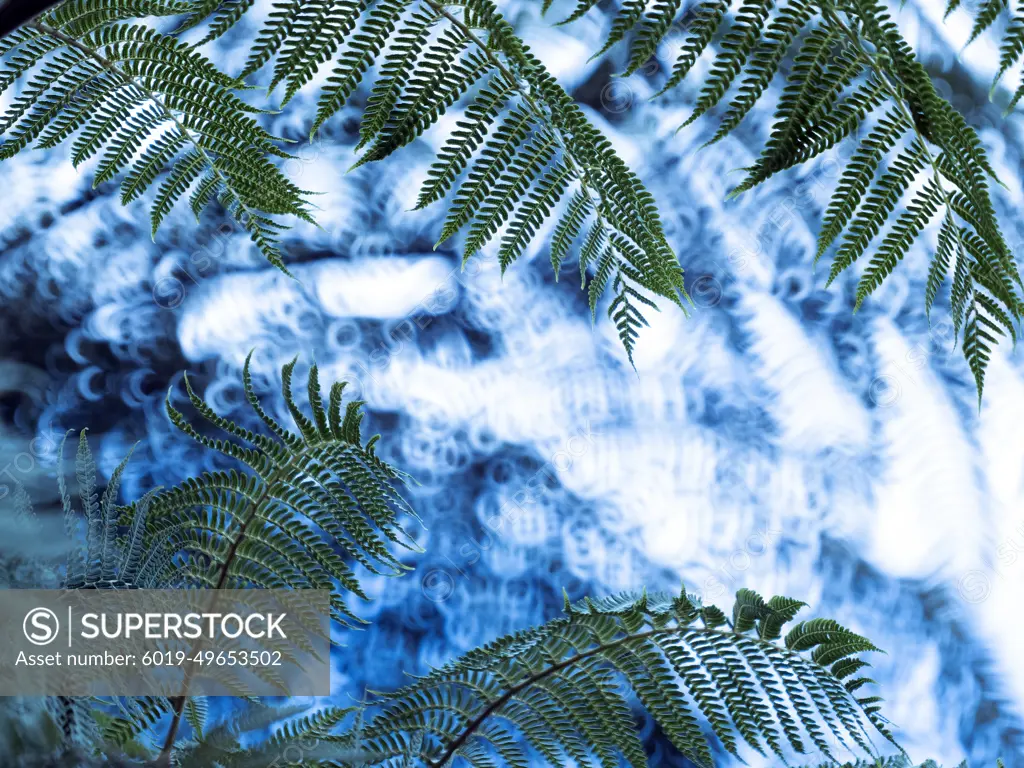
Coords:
155,112
850,72
1011,47
556,689
521,149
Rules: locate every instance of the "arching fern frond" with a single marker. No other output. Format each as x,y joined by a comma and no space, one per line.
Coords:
302,509
526,144
852,69
555,689
154,107
1011,47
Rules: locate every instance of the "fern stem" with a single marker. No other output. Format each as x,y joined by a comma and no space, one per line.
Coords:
180,700
473,725
110,66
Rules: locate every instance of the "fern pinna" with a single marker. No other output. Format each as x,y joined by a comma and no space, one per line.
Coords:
554,688
989,13
564,691
300,513
852,72
148,106
525,142
158,103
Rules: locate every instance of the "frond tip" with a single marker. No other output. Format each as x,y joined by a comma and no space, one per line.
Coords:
520,149
303,508
850,68
554,689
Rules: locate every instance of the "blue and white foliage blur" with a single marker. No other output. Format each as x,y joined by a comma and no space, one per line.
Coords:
773,440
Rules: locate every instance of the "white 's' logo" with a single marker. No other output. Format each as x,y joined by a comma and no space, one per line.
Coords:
41,626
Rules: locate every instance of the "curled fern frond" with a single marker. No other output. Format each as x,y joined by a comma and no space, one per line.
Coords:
555,689
851,69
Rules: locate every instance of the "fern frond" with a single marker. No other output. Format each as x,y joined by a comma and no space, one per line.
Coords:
896,244
552,688
980,334
508,189
535,209
735,48
877,207
461,145
360,53
155,105
764,65
628,16
569,228
655,26
301,497
708,17
852,66
988,12
945,255
403,53
857,177
625,314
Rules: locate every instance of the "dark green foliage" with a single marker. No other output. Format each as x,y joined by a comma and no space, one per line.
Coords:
302,510
155,108
1012,45
852,72
556,689
566,690
525,142
306,505
156,112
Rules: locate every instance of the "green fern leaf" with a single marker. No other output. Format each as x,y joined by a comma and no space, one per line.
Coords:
988,11
626,19
878,205
778,37
552,687
363,49
896,244
656,25
508,190
535,209
857,177
569,227
459,147
736,47
708,17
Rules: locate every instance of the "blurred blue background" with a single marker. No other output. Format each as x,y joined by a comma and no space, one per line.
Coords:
774,440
